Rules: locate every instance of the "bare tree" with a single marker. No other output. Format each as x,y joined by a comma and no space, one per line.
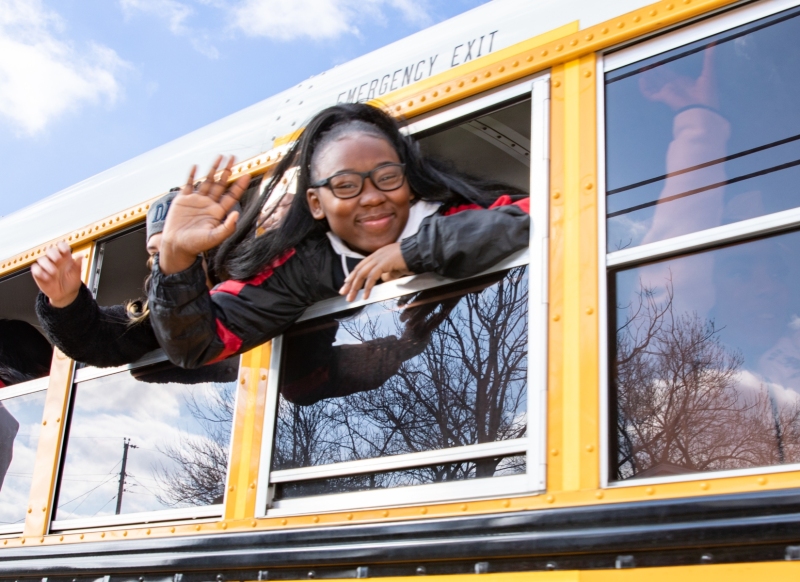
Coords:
680,406
199,465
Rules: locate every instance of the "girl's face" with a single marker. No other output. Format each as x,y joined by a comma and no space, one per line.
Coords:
374,218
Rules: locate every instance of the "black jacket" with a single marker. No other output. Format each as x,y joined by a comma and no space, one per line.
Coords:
196,327
98,336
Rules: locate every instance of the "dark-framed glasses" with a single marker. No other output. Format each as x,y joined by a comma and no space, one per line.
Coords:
350,184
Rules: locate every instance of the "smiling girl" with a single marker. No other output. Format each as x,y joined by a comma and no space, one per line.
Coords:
374,209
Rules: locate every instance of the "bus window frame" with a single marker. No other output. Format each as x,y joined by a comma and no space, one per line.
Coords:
200,514
533,481
750,229
14,391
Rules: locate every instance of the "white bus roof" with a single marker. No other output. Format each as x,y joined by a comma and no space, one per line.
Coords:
252,131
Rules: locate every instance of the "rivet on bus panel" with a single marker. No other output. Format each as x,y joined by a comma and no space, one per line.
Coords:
147,531
125,534
650,491
447,89
252,485
461,83
704,486
605,30
501,69
589,311
544,53
464,507
30,510
421,99
515,64
762,480
61,538
487,74
349,516
315,519
653,12
81,537
530,58
172,530
424,510
435,93
102,534
284,522
554,452
550,499
573,42
506,503
589,37
587,74
253,523
385,514
589,448
670,6
474,79
557,84
599,494
556,317
620,25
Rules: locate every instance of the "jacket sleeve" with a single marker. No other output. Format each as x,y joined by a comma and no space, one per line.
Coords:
468,242
196,327
97,336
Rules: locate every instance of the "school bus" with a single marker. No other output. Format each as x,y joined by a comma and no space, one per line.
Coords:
619,401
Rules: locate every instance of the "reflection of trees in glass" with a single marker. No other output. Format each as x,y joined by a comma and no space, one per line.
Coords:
200,462
461,380
681,406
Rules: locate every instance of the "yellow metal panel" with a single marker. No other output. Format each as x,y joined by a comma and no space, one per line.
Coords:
555,366
588,254
50,440
240,501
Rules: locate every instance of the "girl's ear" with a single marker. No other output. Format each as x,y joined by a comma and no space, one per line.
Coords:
314,204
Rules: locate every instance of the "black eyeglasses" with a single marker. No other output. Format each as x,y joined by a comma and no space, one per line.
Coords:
345,185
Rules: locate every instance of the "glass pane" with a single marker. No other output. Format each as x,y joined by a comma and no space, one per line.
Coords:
442,368
707,361
165,428
705,135
20,423
461,471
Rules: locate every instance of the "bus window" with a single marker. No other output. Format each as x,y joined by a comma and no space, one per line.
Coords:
152,438
121,268
21,409
704,135
495,146
704,328
385,388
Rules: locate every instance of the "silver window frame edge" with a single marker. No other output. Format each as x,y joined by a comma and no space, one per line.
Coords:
535,477
538,291
697,241
399,462
161,517
718,21
467,491
24,388
705,476
406,286
10,530
91,373
602,273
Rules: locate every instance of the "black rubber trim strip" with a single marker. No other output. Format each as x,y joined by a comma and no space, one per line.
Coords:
750,519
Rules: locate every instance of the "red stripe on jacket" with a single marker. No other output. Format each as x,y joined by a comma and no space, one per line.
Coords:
230,340
235,287
504,200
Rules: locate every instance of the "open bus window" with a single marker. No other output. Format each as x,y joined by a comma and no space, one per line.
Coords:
149,439
493,146
121,268
21,410
25,354
441,369
705,135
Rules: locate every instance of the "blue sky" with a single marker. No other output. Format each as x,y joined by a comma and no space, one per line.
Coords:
87,84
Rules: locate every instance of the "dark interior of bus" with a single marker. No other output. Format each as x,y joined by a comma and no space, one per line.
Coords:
494,145
120,276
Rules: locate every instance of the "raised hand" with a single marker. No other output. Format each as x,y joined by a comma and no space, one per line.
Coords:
199,220
58,275
386,264
680,91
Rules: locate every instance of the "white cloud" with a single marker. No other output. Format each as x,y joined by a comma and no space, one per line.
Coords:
318,19
42,75
175,14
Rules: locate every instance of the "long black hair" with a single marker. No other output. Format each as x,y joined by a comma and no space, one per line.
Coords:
244,254
25,354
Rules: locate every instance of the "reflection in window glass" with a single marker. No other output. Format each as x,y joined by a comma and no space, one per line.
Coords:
442,368
20,423
461,471
172,428
705,135
707,362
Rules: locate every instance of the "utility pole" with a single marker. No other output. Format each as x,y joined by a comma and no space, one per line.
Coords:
127,445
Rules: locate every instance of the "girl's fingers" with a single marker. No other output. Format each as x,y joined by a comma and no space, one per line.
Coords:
372,279
47,266
205,186
188,188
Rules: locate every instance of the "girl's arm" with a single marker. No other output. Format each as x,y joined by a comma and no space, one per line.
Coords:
466,241
94,335
196,327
